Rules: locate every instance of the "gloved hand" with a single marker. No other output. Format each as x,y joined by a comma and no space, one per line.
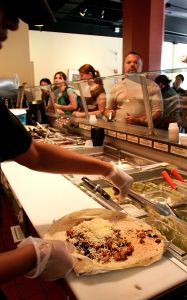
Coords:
53,258
121,180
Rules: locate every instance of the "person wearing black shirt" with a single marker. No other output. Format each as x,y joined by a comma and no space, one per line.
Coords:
177,85
49,259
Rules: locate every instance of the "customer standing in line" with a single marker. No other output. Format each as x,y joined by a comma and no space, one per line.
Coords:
131,109
65,97
96,101
44,84
171,113
177,85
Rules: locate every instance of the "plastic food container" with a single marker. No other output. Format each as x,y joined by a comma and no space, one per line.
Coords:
173,199
20,114
183,139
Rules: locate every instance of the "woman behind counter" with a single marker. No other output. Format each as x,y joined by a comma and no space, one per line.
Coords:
96,103
65,97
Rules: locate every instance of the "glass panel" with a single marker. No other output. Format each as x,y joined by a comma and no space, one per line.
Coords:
126,94
174,96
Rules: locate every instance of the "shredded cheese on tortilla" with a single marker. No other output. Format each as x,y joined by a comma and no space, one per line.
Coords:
95,230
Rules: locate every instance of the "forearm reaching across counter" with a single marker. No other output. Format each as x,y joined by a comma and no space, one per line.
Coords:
53,159
49,158
16,262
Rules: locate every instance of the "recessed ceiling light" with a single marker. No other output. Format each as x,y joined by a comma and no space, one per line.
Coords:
117,29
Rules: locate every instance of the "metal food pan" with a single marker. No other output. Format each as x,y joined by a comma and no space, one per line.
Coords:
153,184
127,161
153,173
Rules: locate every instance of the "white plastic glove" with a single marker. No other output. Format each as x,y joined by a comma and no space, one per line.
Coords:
121,180
53,258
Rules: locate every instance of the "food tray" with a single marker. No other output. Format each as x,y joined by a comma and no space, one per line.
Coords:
153,187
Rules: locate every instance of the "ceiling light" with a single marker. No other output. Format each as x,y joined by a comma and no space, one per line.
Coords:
103,14
39,26
117,29
83,12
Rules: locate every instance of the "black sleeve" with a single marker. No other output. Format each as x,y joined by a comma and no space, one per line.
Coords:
14,138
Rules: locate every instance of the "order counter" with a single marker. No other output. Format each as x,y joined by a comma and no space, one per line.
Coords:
47,197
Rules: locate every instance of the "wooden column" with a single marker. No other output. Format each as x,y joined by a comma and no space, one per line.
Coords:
143,30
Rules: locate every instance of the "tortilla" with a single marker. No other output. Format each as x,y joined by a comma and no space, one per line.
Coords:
104,240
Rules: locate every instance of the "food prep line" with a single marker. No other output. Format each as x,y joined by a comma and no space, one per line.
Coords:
147,200
50,135
46,197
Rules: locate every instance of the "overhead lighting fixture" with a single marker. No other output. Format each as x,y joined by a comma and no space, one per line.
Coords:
117,29
83,12
103,14
39,26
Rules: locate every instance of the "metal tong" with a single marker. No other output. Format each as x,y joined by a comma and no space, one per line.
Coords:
162,208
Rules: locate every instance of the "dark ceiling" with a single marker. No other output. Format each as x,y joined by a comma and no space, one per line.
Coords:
104,17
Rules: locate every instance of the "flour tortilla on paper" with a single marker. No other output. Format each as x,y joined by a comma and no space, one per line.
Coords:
144,253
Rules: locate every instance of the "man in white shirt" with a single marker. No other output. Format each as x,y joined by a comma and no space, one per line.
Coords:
125,101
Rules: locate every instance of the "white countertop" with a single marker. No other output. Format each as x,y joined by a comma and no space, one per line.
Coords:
132,284
47,197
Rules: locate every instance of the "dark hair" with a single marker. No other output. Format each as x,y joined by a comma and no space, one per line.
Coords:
62,74
163,79
47,80
181,76
85,69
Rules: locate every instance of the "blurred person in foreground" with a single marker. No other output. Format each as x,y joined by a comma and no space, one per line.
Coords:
171,102
37,257
126,104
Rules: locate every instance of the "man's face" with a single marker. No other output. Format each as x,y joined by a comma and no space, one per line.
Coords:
178,80
133,64
7,22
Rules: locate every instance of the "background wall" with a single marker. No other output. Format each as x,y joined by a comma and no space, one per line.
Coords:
15,55
52,52
172,55
34,54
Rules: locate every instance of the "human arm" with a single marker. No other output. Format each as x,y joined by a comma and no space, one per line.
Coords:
44,157
72,97
101,104
35,257
142,120
16,262
79,114
61,160
52,99
110,109
66,161
156,106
